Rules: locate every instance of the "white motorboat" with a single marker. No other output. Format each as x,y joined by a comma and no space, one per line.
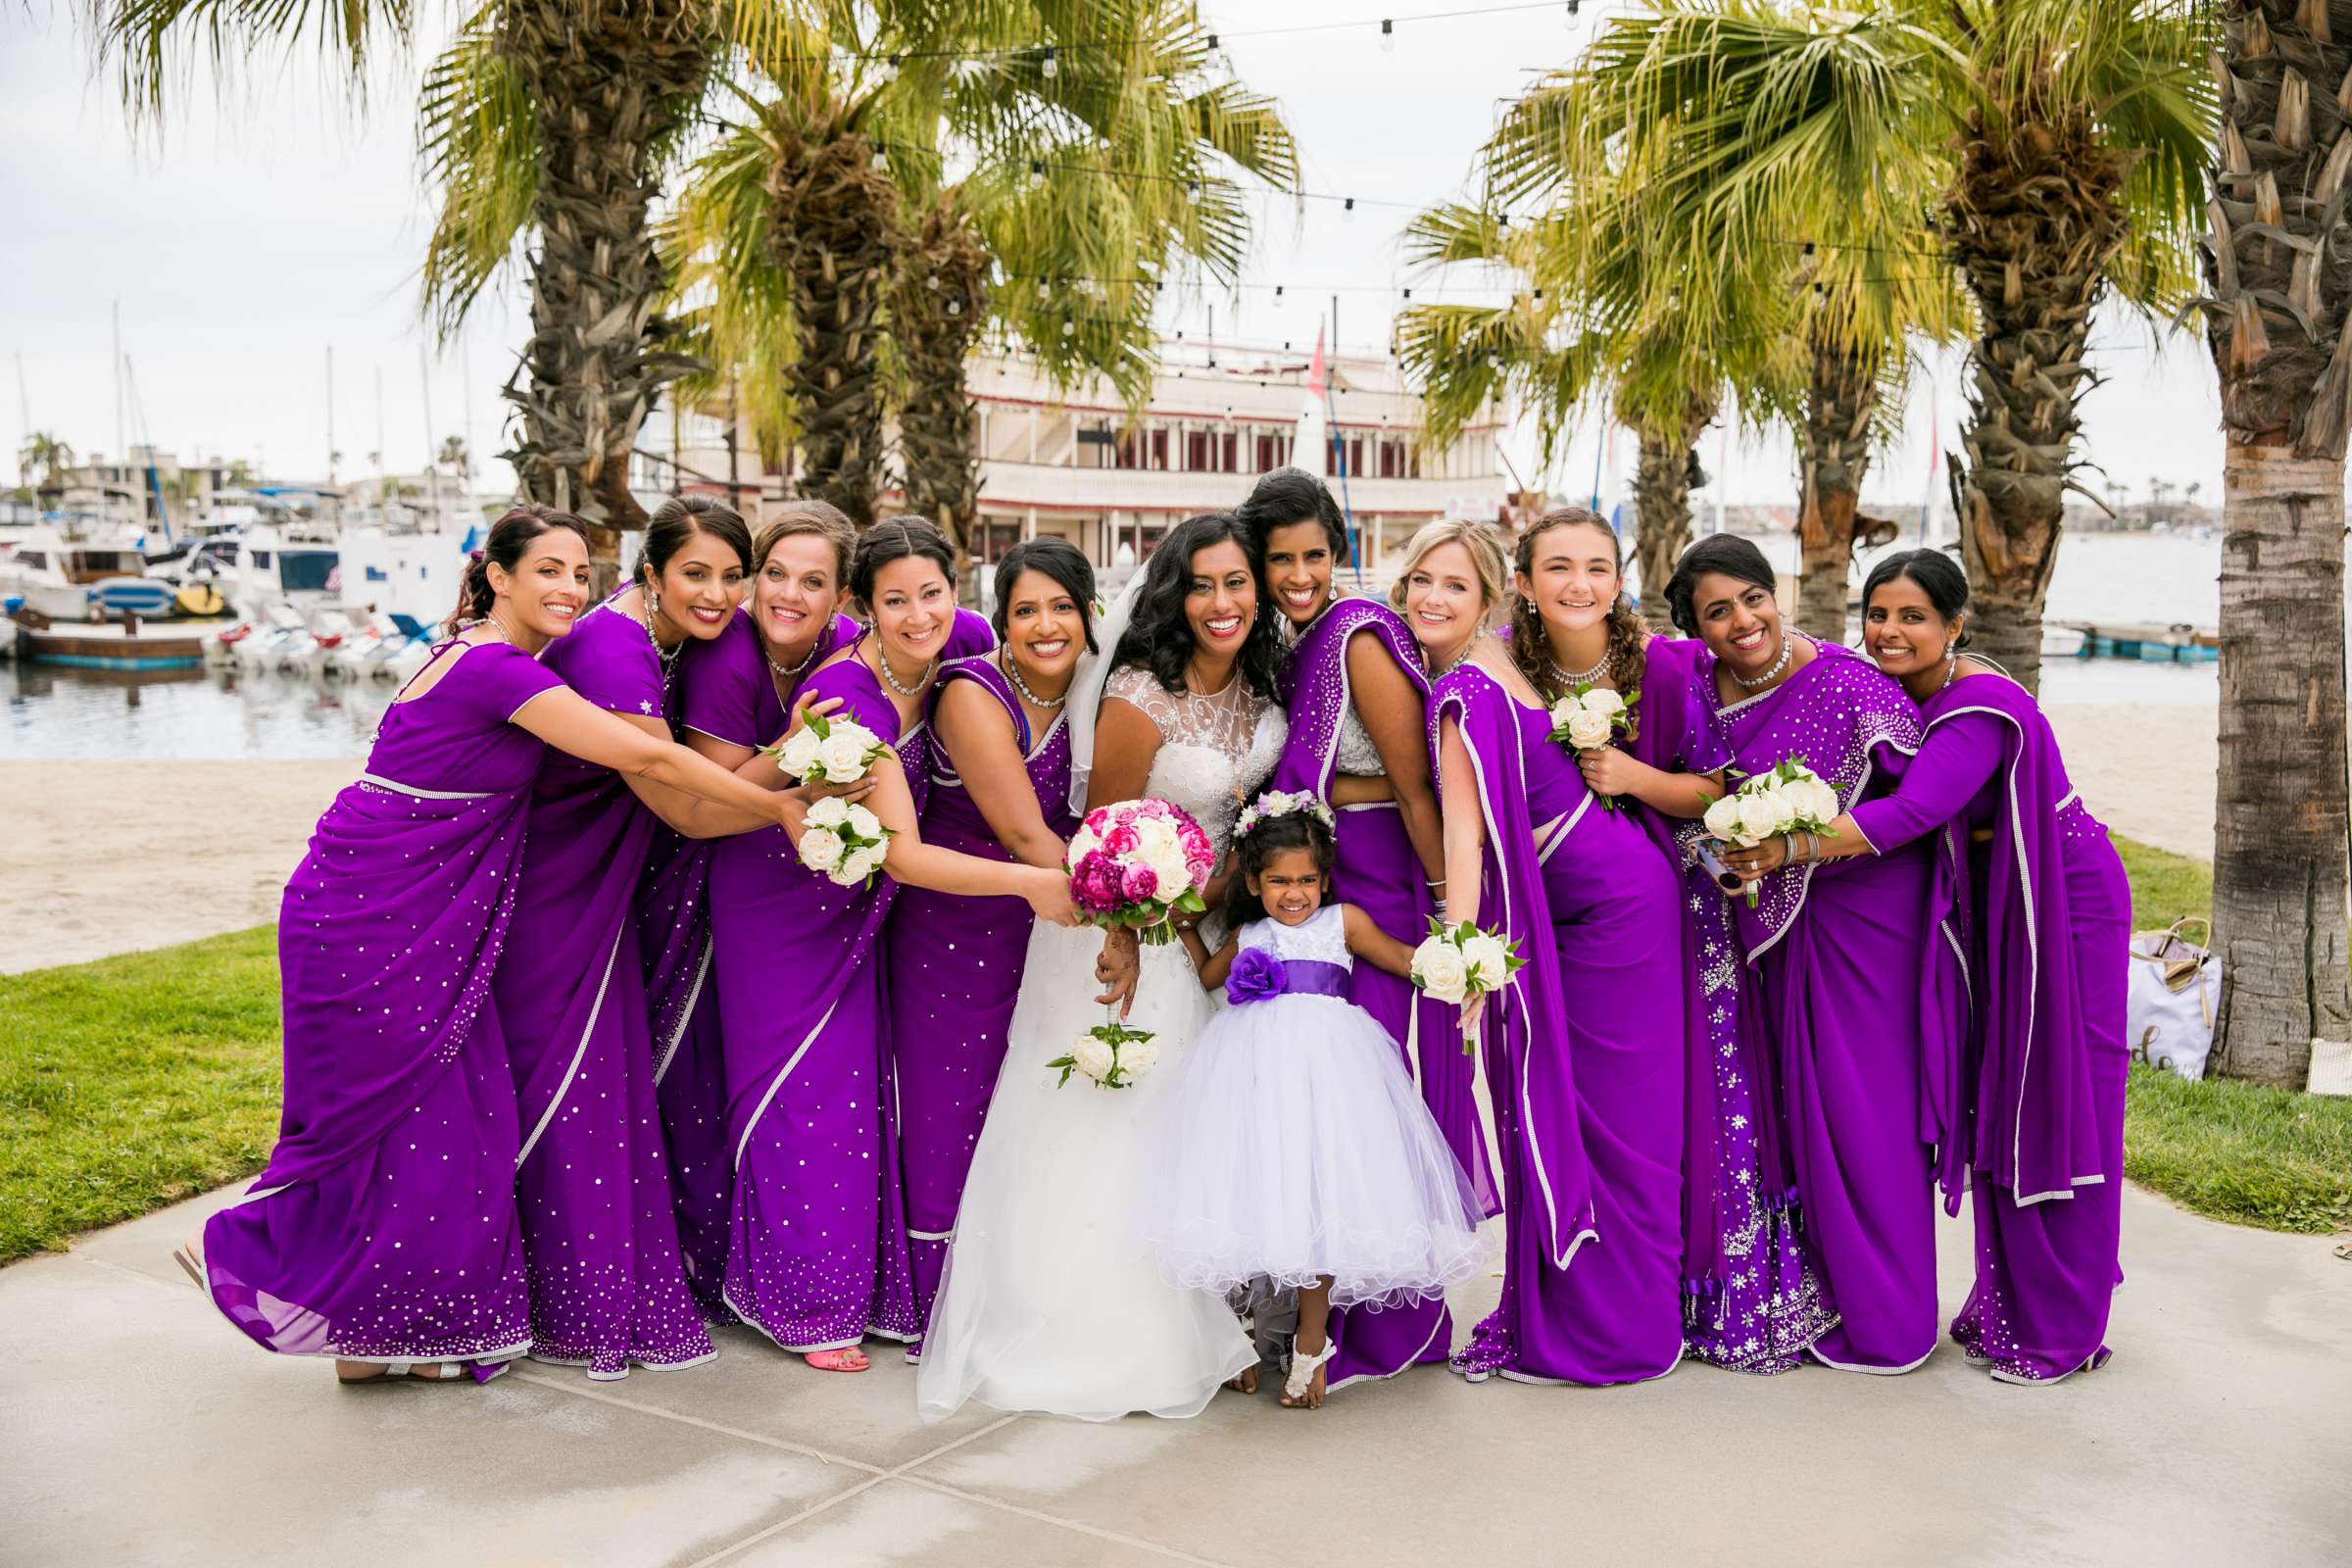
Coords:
80,573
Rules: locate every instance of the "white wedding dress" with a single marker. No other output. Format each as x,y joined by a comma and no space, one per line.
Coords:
1049,1300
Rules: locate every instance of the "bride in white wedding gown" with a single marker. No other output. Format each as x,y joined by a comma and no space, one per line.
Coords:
1048,1302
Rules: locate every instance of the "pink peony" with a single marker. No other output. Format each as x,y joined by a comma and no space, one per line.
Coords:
1140,884
1098,883
1120,840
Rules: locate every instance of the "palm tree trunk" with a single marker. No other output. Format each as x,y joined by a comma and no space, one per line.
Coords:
1662,505
615,83
938,308
1839,400
2283,803
2035,220
837,233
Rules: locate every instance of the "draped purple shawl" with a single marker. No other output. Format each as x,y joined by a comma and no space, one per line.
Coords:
1313,686
1537,1076
2036,1120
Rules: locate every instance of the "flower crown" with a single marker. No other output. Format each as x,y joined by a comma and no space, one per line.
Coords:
1283,803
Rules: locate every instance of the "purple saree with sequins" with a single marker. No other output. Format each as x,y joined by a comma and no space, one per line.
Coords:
383,1227
724,689
1846,1082
1377,870
1584,1051
954,974
1751,1303
2045,911
607,1283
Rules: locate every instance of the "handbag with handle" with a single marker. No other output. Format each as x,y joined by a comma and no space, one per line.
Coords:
2170,995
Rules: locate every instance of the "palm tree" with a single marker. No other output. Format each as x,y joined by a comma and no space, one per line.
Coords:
48,453
840,268
2047,149
2277,263
545,122
1783,149
1555,357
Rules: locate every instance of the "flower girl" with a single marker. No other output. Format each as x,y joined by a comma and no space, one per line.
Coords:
1295,1146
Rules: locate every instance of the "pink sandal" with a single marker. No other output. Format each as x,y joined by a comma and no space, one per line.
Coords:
837,1360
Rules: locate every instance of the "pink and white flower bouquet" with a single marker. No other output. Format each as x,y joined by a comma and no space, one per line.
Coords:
1133,863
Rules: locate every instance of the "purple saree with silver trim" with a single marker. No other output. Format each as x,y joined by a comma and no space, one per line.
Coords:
383,1227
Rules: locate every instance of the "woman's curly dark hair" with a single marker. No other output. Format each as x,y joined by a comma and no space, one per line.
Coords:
1160,639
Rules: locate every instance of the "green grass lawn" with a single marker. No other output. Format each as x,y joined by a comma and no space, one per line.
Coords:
133,1082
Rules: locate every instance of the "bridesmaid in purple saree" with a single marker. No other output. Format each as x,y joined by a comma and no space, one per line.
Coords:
607,1283
1751,1302
816,1253
732,692
999,790
383,1231
2044,912
1855,1093
1585,1046
1358,696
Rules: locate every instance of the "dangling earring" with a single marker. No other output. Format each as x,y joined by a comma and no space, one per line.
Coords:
1951,661
652,601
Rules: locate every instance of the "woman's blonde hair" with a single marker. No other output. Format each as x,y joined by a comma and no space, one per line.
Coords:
1486,556
819,518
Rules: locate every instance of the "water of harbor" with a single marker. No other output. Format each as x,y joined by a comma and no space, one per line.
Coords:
57,714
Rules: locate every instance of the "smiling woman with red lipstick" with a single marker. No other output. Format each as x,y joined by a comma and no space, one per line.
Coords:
1845,1085
732,692
607,1284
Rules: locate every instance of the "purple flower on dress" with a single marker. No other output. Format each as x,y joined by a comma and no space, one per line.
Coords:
1256,976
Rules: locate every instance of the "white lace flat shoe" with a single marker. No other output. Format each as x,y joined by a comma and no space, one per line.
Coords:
1302,1375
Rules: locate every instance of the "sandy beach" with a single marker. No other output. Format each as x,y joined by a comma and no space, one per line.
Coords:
115,857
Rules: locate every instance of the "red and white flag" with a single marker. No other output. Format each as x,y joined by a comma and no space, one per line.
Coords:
1310,445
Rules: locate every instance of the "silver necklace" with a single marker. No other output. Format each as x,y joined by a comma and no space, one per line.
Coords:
497,629
1013,673
1787,650
1459,660
788,676
882,662
1570,679
666,658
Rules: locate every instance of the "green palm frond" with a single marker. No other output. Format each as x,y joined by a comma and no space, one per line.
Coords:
477,135
734,299
154,46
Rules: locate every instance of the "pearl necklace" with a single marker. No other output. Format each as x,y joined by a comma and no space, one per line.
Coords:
882,662
1571,679
1013,673
1787,651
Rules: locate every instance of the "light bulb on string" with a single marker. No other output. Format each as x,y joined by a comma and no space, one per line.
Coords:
1068,326
1348,207
1387,36
932,282
955,307
1049,67
1192,190
1037,172
881,158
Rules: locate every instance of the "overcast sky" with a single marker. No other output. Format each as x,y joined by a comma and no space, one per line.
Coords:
287,219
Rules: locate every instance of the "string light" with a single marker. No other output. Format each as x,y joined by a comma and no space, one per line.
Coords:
1049,68
1387,36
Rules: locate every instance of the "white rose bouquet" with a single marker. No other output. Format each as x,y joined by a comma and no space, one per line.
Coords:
1590,718
1110,1055
1456,962
835,751
843,843
1791,799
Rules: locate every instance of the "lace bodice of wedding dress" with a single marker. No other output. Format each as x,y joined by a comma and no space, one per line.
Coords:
1214,751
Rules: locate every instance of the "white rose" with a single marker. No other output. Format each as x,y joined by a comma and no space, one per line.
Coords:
1489,961
1722,818
1587,729
1602,701
1821,801
798,754
871,859
1083,843
865,823
1783,809
843,755
821,848
1564,711
831,812
1094,1057
1155,841
1137,1057
1758,820
1439,970
1173,873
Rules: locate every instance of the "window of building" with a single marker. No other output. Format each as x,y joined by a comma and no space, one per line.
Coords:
1269,452
1160,448
1231,461
1196,457
994,539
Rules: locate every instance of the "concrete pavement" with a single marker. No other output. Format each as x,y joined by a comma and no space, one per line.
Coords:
138,1428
